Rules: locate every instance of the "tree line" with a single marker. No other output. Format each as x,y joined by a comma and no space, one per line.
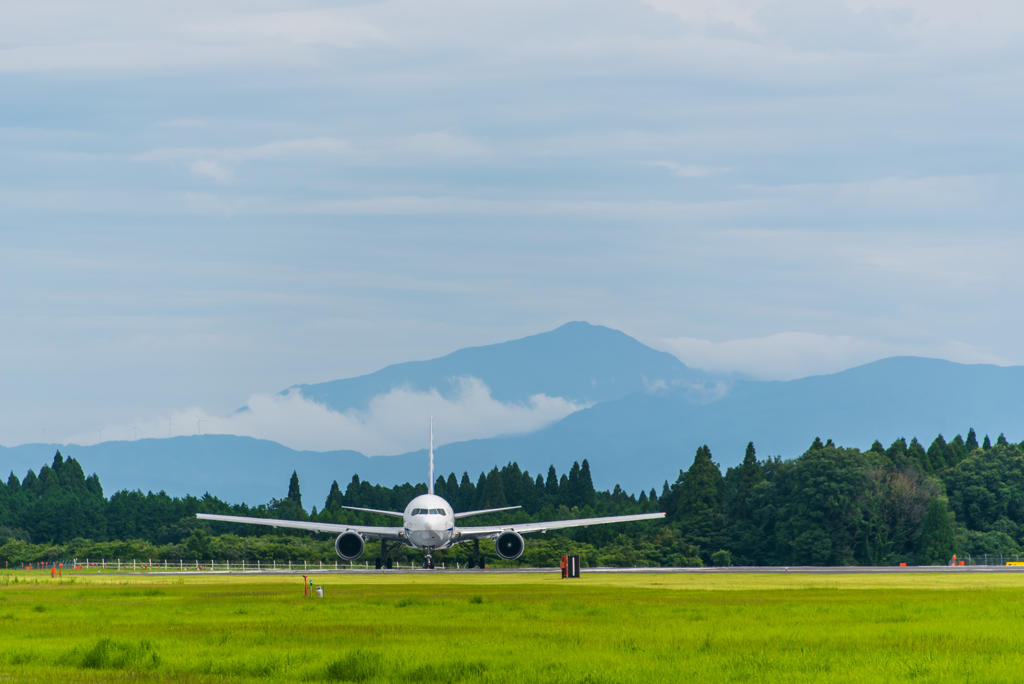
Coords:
830,506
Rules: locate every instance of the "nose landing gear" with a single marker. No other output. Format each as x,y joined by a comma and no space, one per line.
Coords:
428,562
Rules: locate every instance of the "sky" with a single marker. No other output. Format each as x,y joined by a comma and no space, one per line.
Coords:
204,203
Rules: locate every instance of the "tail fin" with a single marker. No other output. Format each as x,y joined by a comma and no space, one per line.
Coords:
430,473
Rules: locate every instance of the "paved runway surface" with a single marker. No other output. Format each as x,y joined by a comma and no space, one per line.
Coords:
805,570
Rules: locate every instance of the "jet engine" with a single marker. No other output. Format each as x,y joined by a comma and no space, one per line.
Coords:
349,545
509,545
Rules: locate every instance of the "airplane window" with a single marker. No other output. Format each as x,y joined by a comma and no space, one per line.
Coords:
433,511
416,511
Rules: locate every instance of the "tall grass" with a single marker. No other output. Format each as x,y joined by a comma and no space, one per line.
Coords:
439,629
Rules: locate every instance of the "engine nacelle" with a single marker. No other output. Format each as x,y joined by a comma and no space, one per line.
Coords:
349,545
509,545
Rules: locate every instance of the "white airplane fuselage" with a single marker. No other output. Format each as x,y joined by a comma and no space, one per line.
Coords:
429,522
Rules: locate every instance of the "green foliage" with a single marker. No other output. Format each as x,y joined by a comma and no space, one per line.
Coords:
698,497
721,559
936,545
830,506
986,486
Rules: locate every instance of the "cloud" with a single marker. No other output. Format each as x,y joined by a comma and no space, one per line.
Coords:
394,423
207,168
687,170
337,27
792,355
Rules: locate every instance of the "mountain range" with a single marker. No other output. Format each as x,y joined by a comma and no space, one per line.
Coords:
647,414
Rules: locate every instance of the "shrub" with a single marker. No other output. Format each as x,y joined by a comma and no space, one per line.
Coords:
721,559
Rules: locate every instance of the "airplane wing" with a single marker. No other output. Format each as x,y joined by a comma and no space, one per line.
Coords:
471,533
468,514
394,514
368,532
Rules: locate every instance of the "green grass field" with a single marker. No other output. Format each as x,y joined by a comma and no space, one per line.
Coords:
515,628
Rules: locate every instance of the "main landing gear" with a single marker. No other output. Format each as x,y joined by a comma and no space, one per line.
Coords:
384,559
477,560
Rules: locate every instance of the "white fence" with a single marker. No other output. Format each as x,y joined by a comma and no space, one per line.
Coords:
195,565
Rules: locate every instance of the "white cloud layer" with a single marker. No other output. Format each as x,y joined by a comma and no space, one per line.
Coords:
792,355
394,423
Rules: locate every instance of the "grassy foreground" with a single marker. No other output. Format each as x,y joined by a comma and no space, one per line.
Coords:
515,628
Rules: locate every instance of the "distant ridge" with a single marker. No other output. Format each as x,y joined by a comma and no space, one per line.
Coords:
645,424
577,361
650,436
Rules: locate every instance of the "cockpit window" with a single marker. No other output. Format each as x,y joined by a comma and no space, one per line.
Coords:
433,511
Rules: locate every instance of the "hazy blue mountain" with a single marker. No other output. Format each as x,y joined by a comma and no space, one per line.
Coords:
639,433
644,439
578,361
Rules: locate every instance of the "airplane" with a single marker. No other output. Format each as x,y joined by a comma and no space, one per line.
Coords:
428,525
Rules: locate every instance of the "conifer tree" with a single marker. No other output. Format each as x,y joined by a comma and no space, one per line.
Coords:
972,440
587,493
334,497
294,494
698,499
494,490
897,453
551,488
481,492
467,493
957,451
916,453
987,444
939,453
749,474
574,485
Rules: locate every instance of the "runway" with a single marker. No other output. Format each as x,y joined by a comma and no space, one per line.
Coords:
752,570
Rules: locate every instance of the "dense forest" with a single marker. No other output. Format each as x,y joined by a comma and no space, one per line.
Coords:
830,506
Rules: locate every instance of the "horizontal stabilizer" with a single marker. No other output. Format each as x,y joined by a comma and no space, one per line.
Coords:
374,510
486,510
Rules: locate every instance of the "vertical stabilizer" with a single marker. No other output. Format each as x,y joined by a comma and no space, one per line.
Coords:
430,473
